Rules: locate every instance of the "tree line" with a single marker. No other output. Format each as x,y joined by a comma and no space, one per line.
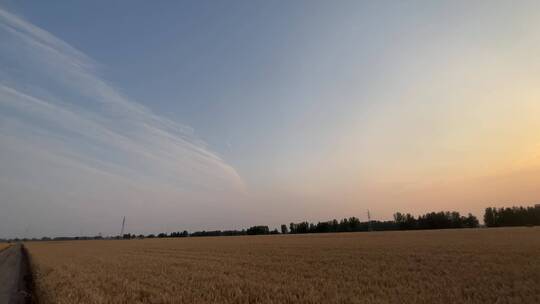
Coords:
350,224
514,216
432,220
436,220
254,230
493,217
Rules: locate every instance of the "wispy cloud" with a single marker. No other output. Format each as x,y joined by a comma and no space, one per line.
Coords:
70,140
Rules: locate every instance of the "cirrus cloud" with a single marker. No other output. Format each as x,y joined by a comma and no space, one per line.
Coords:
77,153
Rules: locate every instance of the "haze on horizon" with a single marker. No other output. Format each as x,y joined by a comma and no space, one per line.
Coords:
220,115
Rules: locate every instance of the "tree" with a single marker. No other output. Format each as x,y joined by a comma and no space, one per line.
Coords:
354,224
515,216
303,227
284,229
471,221
292,227
344,225
256,230
489,217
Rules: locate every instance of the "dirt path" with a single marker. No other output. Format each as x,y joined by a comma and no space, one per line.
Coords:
15,278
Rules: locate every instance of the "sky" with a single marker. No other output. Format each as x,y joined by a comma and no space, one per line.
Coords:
225,114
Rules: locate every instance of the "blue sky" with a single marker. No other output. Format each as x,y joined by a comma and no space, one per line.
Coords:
221,68
236,71
211,114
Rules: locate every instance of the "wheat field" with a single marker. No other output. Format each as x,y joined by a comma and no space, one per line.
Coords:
447,266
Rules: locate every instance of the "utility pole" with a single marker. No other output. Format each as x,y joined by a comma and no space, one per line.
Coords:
123,225
369,221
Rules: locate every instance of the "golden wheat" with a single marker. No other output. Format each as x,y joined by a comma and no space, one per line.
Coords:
451,266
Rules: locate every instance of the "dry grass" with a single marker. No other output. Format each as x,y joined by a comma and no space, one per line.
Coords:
452,266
